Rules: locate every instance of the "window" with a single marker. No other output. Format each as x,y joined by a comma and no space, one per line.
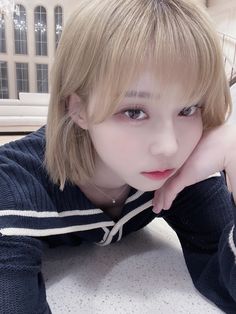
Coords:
22,77
40,28
42,78
4,92
58,23
2,34
20,30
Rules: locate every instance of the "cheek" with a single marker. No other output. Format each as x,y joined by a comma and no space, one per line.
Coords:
190,136
114,145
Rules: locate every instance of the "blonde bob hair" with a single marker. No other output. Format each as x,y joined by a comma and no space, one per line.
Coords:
103,48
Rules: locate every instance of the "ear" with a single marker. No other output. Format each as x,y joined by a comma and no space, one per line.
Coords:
77,111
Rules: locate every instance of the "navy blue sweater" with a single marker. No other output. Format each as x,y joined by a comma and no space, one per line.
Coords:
33,210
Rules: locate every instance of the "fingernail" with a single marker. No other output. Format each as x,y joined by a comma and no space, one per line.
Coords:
156,210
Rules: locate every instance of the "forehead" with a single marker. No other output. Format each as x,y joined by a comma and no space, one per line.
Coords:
144,86
144,78
144,81
147,86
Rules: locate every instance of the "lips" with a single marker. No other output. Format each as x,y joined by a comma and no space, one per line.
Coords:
158,175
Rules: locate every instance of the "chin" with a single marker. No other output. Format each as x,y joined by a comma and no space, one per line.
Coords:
148,188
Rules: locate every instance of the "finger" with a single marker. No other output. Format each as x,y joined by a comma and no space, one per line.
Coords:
154,201
169,200
176,185
158,201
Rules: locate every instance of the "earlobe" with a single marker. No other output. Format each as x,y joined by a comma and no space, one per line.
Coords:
77,111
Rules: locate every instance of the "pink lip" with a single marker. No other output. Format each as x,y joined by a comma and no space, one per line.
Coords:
158,175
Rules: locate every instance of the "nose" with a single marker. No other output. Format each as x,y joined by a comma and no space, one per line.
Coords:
165,142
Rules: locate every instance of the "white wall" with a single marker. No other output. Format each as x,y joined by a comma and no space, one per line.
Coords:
223,13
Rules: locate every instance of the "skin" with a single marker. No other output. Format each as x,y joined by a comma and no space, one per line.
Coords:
216,151
151,130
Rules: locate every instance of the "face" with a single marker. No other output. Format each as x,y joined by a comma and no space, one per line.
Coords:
152,130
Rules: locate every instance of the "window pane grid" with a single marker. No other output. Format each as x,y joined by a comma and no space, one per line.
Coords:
40,28
4,92
20,30
42,78
58,24
2,34
22,77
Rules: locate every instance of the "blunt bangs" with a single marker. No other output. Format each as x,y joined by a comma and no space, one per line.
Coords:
179,45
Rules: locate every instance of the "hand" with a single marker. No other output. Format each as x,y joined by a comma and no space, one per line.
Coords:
216,151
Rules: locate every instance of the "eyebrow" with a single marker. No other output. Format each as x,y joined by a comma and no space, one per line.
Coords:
138,94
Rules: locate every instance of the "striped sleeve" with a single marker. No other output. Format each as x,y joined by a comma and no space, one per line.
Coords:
26,209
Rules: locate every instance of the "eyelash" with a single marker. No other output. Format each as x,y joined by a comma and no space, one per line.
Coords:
133,110
138,108
197,106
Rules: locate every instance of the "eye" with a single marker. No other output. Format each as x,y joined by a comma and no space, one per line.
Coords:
189,111
135,114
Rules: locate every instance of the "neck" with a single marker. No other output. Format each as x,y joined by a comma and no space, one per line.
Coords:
105,178
106,197
105,188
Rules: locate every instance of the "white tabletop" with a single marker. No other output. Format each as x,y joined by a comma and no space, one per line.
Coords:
144,273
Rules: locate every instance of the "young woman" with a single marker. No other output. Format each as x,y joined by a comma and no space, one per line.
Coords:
134,86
